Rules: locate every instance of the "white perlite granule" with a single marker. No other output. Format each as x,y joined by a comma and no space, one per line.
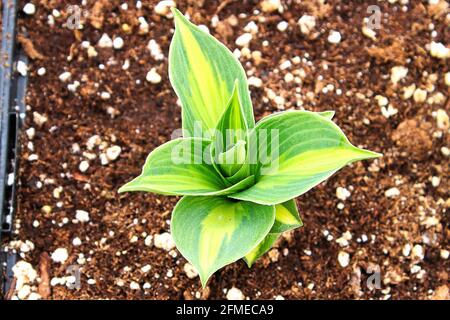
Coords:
84,166
118,43
344,259
112,153
307,24
163,8
342,193
334,37
235,294
82,216
392,192
164,241
29,9
190,271
244,40
155,50
60,255
105,41
153,76
398,73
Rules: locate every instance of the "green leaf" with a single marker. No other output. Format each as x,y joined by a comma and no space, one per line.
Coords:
230,141
182,167
232,125
261,248
286,217
203,72
327,114
211,232
232,160
243,172
306,149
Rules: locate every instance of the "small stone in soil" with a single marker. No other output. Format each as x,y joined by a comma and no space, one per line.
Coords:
60,255
118,43
22,68
164,241
84,166
30,133
270,5
112,153
343,259
235,294
282,26
435,181
65,76
418,252
251,27
334,37
244,40
163,8
39,119
29,9
148,241
82,216
105,95
33,157
76,241
41,71
442,119
155,50
445,151
105,41
307,24
392,192
255,82
146,268
190,271
153,76
420,95
438,50
444,254
342,193
447,79
398,73
134,285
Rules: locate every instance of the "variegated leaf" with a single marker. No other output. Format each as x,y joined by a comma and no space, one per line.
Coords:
286,218
203,72
261,248
309,149
211,232
327,114
180,167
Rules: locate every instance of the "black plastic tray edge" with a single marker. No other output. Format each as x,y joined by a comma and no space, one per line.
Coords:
12,95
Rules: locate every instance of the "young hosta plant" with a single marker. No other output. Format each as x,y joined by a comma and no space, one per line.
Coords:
238,179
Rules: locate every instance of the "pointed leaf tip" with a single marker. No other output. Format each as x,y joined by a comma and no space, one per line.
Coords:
327,114
221,231
299,160
203,72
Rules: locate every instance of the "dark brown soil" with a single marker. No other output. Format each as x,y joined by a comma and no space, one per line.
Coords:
305,264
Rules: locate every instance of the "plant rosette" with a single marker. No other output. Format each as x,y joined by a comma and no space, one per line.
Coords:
239,179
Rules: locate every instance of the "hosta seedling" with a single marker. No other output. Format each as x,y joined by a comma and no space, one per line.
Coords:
238,179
